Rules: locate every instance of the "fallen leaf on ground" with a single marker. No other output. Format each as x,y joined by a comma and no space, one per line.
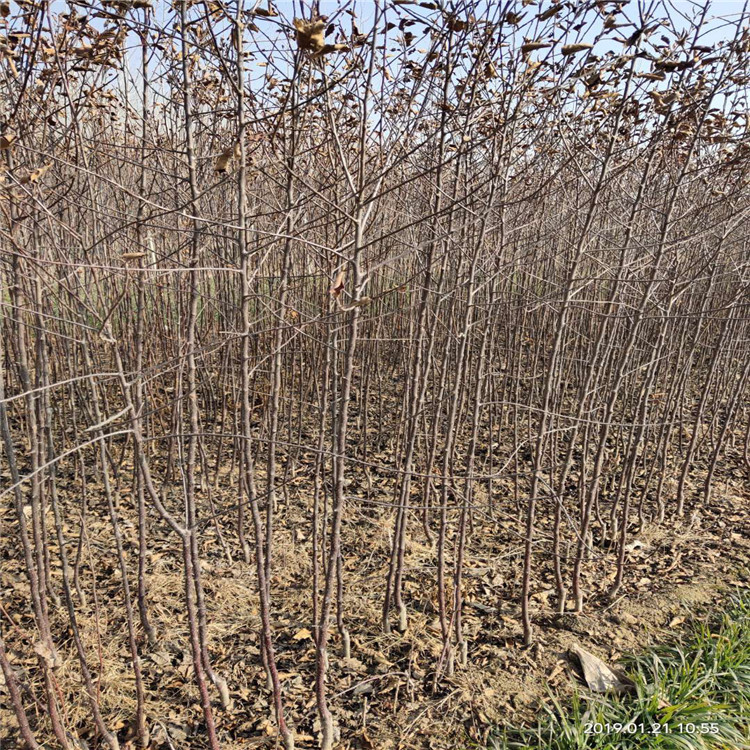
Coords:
598,676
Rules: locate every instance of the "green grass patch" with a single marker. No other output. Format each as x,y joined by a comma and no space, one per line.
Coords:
693,694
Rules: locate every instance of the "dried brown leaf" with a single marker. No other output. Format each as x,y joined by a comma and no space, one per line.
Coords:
338,285
328,49
599,677
48,655
553,11
233,152
310,34
268,12
531,46
572,49
36,175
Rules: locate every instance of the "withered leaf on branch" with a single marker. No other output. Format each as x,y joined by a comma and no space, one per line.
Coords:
268,12
309,34
327,49
652,76
572,49
4,9
457,24
36,175
672,65
6,141
553,11
233,152
338,284
531,46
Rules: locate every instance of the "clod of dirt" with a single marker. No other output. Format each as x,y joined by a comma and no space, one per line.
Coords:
625,618
566,621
